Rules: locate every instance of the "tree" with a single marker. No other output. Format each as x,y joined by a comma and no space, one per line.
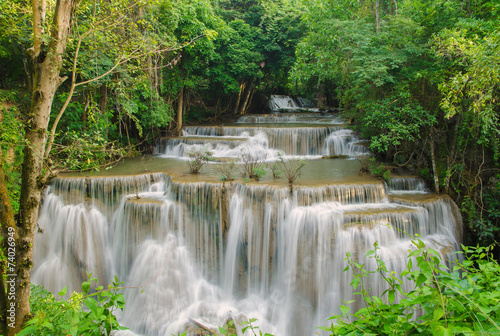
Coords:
47,61
119,26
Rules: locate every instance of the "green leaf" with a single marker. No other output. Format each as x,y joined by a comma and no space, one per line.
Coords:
91,305
421,279
344,309
27,331
391,295
63,291
438,313
86,287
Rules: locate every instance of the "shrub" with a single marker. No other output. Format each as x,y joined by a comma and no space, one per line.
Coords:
197,159
275,170
83,313
291,168
253,165
87,151
377,169
227,171
246,327
463,300
259,172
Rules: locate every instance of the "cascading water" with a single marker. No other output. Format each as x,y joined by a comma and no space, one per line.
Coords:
193,252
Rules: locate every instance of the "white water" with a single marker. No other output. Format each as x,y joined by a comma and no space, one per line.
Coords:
280,259
266,142
277,102
406,185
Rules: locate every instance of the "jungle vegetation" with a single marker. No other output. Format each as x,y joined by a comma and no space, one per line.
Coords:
85,83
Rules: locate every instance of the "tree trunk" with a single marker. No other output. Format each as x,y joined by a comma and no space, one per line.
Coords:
377,16
434,166
451,159
249,95
46,66
103,102
237,106
180,108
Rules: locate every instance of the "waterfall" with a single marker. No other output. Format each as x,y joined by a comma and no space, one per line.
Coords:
406,185
277,102
295,141
193,250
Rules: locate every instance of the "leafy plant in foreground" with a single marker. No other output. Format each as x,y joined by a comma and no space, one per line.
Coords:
245,325
464,300
84,313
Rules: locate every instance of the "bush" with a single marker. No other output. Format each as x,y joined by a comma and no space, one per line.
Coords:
377,169
197,159
227,172
291,168
464,300
85,313
253,165
259,172
275,170
87,151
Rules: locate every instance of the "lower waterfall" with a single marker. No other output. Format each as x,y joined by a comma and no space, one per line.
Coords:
273,256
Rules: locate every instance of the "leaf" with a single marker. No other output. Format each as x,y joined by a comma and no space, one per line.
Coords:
344,309
391,295
91,305
86,287
27,331
421,279
63,291
438,313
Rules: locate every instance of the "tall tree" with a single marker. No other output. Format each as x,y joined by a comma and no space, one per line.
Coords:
47,60
118,28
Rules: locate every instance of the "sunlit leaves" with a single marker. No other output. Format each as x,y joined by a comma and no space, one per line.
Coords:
473,92
441,301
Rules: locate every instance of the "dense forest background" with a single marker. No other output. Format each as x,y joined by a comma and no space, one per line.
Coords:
418,78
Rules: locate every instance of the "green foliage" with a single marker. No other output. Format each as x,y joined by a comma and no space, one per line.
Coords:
253,166
463,300
275,170
227,171
246,327
87,151
396,123
484,224
378,169
472,92
86,313
197,159
259,172
11,144
291,168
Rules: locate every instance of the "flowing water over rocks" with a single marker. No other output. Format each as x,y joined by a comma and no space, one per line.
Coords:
196,251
